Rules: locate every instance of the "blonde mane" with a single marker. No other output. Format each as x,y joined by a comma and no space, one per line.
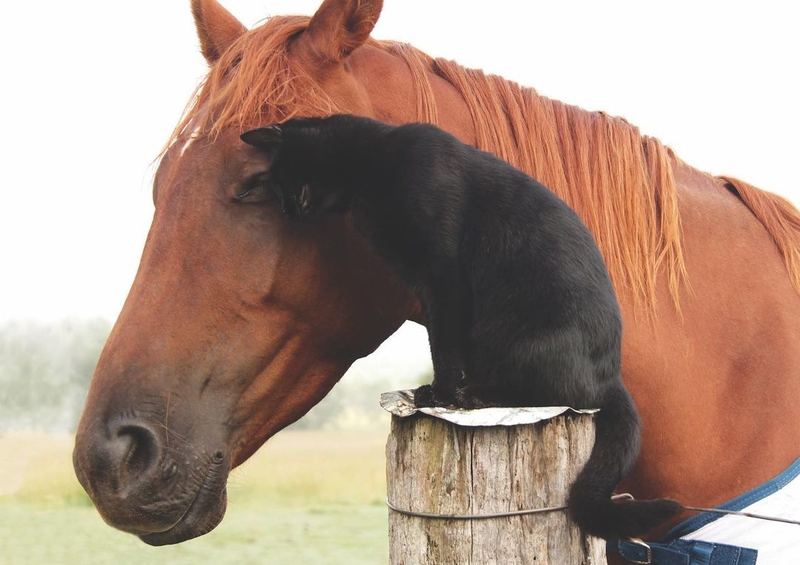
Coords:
619,181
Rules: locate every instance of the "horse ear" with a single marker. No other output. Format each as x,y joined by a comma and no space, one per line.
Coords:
341,26
267,138
217,28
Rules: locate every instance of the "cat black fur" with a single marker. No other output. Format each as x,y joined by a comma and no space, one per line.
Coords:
518,302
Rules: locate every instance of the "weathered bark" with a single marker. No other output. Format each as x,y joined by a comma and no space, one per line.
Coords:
437,467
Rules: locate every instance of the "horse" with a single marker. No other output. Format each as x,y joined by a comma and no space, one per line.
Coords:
239,321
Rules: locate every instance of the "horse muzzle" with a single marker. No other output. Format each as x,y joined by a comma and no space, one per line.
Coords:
150,481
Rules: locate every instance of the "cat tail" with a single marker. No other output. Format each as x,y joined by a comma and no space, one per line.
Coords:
615,451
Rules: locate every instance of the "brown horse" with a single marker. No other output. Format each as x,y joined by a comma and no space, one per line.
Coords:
239,321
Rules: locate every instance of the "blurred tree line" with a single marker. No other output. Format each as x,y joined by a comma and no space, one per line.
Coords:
45,370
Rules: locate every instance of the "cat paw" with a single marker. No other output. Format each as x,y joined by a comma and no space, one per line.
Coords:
423,397
426,397
468,400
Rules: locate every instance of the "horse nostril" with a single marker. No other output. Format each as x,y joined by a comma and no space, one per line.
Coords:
142,451
136,450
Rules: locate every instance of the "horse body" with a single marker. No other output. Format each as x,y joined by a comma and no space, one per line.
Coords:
715,379
238,322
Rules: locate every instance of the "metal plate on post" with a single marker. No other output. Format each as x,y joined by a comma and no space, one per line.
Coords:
401,403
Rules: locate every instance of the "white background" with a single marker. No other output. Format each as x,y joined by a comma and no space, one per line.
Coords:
91,90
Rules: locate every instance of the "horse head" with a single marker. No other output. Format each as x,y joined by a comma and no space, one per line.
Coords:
238,320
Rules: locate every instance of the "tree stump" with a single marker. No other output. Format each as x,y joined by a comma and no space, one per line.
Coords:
434,466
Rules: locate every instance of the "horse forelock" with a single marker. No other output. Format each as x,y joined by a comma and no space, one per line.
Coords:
254,82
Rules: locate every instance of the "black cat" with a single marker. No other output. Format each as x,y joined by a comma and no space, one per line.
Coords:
518,303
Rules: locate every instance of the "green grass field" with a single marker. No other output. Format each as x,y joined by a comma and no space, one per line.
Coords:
314,497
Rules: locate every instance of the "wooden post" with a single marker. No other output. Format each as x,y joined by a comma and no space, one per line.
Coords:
434,466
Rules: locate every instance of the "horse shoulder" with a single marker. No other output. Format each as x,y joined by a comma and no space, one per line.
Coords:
731,346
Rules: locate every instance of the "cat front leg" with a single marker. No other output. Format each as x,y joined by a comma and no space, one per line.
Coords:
442,306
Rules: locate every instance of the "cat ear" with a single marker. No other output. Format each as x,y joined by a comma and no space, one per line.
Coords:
262,137
269,138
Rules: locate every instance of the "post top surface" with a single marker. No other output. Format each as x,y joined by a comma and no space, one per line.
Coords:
401,403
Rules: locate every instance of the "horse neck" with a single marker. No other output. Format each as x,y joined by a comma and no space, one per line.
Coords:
620,183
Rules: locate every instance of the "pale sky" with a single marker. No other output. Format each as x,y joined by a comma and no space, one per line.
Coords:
92,88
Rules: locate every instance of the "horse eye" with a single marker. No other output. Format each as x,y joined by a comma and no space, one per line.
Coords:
257,189
246,193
